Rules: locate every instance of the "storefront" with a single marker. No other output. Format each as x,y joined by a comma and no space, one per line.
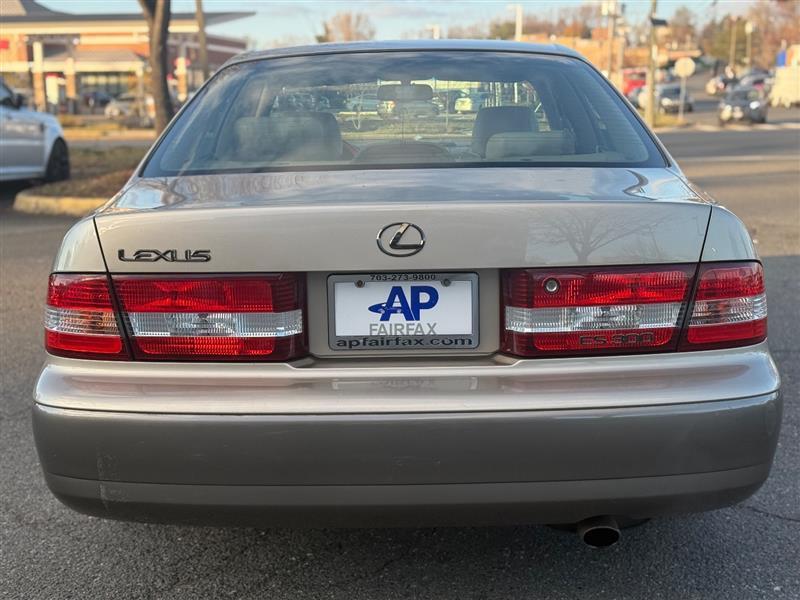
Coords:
58,58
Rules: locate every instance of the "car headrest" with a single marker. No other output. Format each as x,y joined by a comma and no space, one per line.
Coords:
500,119
300,136
531,143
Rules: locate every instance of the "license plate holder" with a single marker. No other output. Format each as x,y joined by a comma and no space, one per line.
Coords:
403,311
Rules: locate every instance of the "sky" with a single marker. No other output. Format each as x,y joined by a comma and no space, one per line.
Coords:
294,22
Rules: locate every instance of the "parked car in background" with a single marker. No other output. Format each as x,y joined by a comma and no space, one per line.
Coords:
634,95
128,104
633,79
96,100
523,315
759,81
743,104
667,96
391,109
446,101
362,103
665,76
470,103
669,99
32,144
295,101
720,84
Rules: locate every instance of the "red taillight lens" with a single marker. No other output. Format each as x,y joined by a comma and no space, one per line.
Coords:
79,318
730,307
590,311
215,318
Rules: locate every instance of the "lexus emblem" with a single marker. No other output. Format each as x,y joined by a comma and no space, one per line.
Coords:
401,239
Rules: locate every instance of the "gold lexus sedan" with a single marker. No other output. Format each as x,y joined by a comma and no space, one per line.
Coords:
298,312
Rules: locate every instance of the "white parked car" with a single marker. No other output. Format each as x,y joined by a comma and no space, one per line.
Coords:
32,143
127,105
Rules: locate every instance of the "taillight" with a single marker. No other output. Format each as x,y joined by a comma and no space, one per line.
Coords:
730,307
252,318
79,318
604,310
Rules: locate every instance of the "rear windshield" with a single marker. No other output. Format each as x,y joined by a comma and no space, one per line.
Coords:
402,110
741,95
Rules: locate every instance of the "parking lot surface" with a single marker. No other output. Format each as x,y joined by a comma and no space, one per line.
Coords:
747,551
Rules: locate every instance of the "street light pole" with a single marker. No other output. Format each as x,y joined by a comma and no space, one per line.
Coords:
748,29
650,107
609,8
517,21
732,54
200,16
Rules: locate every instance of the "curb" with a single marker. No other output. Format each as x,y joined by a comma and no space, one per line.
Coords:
706,128
73,206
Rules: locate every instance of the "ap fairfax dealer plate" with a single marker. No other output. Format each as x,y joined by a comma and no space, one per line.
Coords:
403,311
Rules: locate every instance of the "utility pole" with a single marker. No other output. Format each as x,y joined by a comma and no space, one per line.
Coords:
609,9
517,21
732,54
623,29
201,37
749,28
650,107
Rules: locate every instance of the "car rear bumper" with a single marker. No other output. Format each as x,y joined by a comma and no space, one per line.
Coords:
408,469
474,504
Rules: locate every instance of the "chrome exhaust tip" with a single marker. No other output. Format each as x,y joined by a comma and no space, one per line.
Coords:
599,532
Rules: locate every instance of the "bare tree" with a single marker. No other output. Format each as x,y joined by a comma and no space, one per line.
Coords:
776,22
476,31
201,37
347,27
157,15
578,21
504,29
682,26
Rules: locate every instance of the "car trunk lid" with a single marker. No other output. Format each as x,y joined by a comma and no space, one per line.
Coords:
471,218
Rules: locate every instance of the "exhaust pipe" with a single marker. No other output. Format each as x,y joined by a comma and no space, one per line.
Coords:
599,532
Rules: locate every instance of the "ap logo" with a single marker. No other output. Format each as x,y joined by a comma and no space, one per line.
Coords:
397,303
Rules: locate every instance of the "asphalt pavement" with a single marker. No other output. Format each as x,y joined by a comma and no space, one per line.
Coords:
747,551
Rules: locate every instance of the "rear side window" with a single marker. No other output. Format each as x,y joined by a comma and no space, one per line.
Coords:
403,109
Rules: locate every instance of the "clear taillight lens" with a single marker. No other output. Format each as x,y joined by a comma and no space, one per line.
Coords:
251,318
730,307
79,318
617,310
